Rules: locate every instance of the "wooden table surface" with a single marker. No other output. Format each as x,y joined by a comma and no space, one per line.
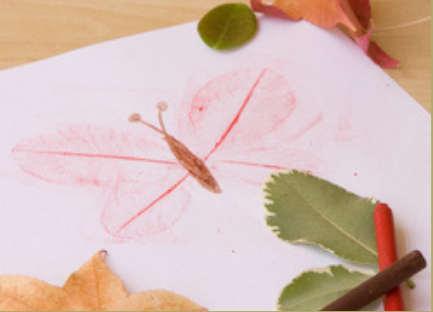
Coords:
32,30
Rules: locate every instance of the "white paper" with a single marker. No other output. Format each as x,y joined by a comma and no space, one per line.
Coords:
348,122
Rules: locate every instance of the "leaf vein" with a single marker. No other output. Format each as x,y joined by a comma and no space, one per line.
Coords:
229,21
343,231
97,285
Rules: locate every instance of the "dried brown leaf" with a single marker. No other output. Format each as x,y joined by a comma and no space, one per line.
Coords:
158,300
92,288
18,293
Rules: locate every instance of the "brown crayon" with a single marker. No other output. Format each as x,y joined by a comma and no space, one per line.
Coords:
379,284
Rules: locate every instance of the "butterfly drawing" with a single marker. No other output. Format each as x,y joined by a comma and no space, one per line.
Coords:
239,126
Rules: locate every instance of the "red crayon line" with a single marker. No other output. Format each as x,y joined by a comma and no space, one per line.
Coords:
89,155
245,163
238,115
387,252
171,189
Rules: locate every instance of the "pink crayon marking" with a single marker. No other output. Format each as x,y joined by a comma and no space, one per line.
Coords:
98,156
103,156
236,119
151,204
243,163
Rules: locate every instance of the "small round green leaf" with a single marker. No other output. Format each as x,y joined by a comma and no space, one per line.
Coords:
228,26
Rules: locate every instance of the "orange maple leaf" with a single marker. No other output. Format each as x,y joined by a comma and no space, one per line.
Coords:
353,15
92,288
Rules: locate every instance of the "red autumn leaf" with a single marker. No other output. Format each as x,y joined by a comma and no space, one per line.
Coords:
362,10
354,15
374,51
323,13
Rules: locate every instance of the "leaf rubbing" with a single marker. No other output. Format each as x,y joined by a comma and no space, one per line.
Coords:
92,288
304,208
315,289
228,26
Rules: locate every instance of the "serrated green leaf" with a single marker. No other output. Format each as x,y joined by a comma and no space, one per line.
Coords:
303,208
315,289
228,25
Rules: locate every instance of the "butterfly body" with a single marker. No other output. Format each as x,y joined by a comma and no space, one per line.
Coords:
194,165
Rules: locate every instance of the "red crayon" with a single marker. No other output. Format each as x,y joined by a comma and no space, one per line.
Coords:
387,252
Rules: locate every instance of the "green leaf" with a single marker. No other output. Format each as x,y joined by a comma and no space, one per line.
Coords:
315,289
305,209
228,26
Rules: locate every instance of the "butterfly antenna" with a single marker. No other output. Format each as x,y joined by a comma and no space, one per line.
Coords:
137,118
162,107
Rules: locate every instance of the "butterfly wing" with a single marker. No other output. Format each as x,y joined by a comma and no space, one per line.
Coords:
253,119
213,113
139,208
136,173
86,155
